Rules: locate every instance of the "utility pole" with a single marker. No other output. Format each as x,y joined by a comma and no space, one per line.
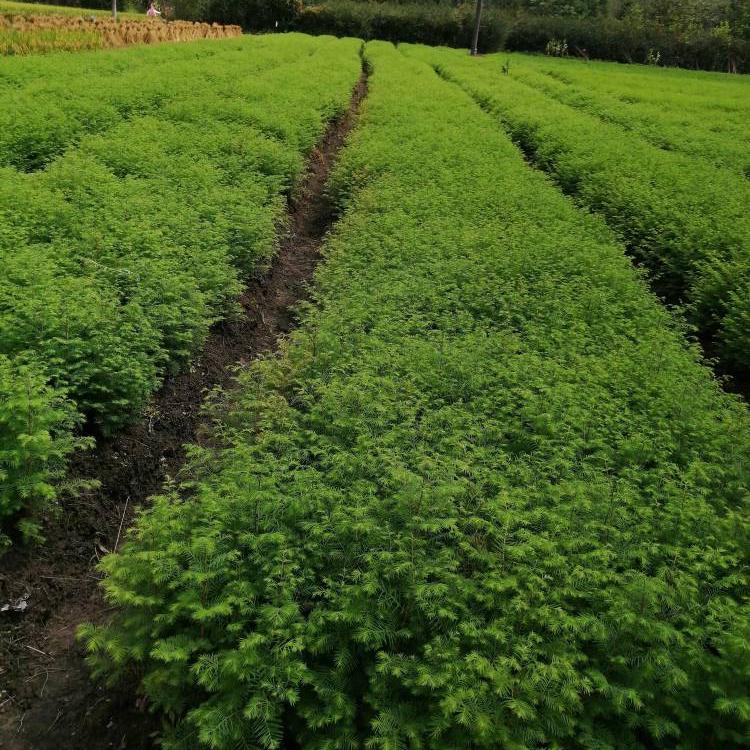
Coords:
477,24
114,9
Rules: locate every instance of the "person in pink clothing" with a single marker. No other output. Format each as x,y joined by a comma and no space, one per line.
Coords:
152,11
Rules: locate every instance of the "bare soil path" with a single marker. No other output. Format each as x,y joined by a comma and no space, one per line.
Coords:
47,700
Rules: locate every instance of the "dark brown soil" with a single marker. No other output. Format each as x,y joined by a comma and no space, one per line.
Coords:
47,700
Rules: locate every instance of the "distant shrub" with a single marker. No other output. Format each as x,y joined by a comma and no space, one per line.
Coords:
625,41
260,15
435,24
556,48
596,37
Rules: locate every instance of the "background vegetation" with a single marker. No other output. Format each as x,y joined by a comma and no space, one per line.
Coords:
709,34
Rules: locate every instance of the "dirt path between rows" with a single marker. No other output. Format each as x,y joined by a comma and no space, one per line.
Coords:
46,697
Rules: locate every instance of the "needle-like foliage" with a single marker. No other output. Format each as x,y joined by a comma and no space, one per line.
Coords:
134,201
685,219
487,498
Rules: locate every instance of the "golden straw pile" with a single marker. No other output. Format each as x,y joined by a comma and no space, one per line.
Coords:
23,34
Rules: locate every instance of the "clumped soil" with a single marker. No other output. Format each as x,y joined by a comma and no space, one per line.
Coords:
47,700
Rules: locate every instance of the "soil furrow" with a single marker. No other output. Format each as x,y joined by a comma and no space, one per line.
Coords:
46,697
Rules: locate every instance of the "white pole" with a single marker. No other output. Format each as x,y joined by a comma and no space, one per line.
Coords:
477,24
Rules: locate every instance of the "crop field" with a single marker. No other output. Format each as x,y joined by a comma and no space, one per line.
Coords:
668,167
133,195
492,489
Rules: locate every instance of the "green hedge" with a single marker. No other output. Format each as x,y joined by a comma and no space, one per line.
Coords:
623,41
258,15
437,24
487,498
446,24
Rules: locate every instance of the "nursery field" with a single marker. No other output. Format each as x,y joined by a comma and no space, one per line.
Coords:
662,156
489,493
136,189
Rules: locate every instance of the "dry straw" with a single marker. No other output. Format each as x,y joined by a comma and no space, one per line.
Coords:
23,34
